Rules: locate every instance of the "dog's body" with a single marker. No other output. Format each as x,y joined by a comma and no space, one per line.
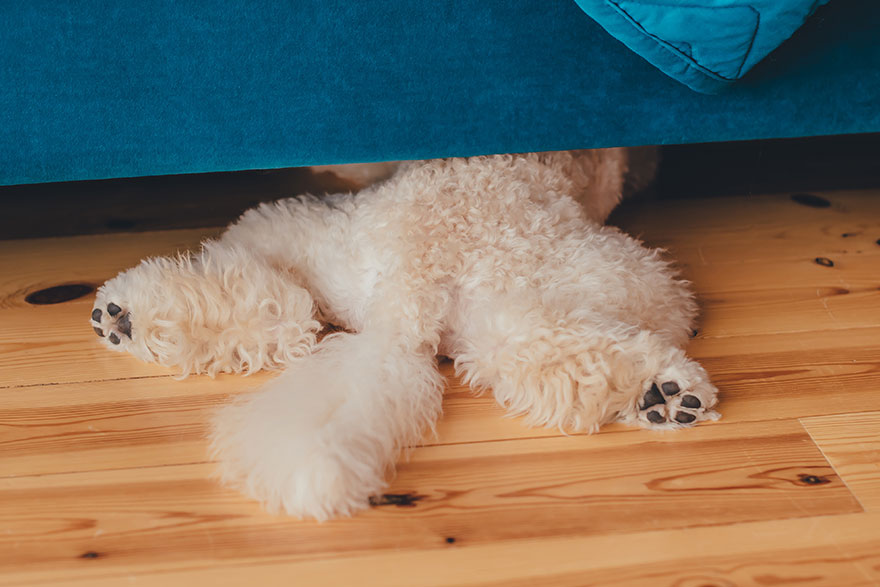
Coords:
497,262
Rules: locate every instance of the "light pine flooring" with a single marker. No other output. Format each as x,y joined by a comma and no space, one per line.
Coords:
104,478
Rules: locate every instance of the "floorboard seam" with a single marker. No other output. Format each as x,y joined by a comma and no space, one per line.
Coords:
831,464
56,383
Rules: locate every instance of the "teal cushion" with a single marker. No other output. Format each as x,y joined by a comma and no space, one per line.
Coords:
705,44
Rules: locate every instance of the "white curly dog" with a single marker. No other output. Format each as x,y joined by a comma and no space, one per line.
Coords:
500,263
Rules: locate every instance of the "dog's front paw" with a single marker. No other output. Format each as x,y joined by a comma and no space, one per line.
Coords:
113,322
681,396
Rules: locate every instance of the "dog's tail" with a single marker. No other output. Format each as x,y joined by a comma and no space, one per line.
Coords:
321,438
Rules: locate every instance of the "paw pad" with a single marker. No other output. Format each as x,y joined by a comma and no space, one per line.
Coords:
669,388
652,397
669,403
124,326
684,418
114,323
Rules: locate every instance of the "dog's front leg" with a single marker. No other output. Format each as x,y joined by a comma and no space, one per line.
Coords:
221,309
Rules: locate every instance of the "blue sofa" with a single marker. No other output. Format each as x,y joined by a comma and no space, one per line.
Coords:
99,89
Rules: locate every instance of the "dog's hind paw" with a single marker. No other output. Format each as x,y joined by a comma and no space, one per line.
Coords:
113,322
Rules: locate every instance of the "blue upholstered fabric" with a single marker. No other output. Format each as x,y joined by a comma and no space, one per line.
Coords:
114,88
706,44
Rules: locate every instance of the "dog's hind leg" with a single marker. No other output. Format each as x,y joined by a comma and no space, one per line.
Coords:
581,376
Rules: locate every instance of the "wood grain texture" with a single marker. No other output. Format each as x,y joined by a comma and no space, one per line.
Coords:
49,343
473,493
828,551
727,228
109,424
753,259
156,419
104,477
851,443
32,264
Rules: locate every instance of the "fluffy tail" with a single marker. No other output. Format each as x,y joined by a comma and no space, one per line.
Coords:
320,439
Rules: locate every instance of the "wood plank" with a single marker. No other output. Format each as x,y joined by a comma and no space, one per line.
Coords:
824,551
110,424
793,375
161,420
50,343
53,344
726,229
798,310
104,424
752,260
784,279
851,443
477,494
29,265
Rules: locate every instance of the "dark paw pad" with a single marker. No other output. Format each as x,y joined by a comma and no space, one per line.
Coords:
96,315
684,418
113,338
124,325
113,309
98,331
656,417
691,401
652,397
670,388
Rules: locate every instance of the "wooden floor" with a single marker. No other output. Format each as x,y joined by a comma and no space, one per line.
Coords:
104,478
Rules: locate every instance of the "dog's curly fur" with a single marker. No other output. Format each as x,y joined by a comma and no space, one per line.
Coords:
499,262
